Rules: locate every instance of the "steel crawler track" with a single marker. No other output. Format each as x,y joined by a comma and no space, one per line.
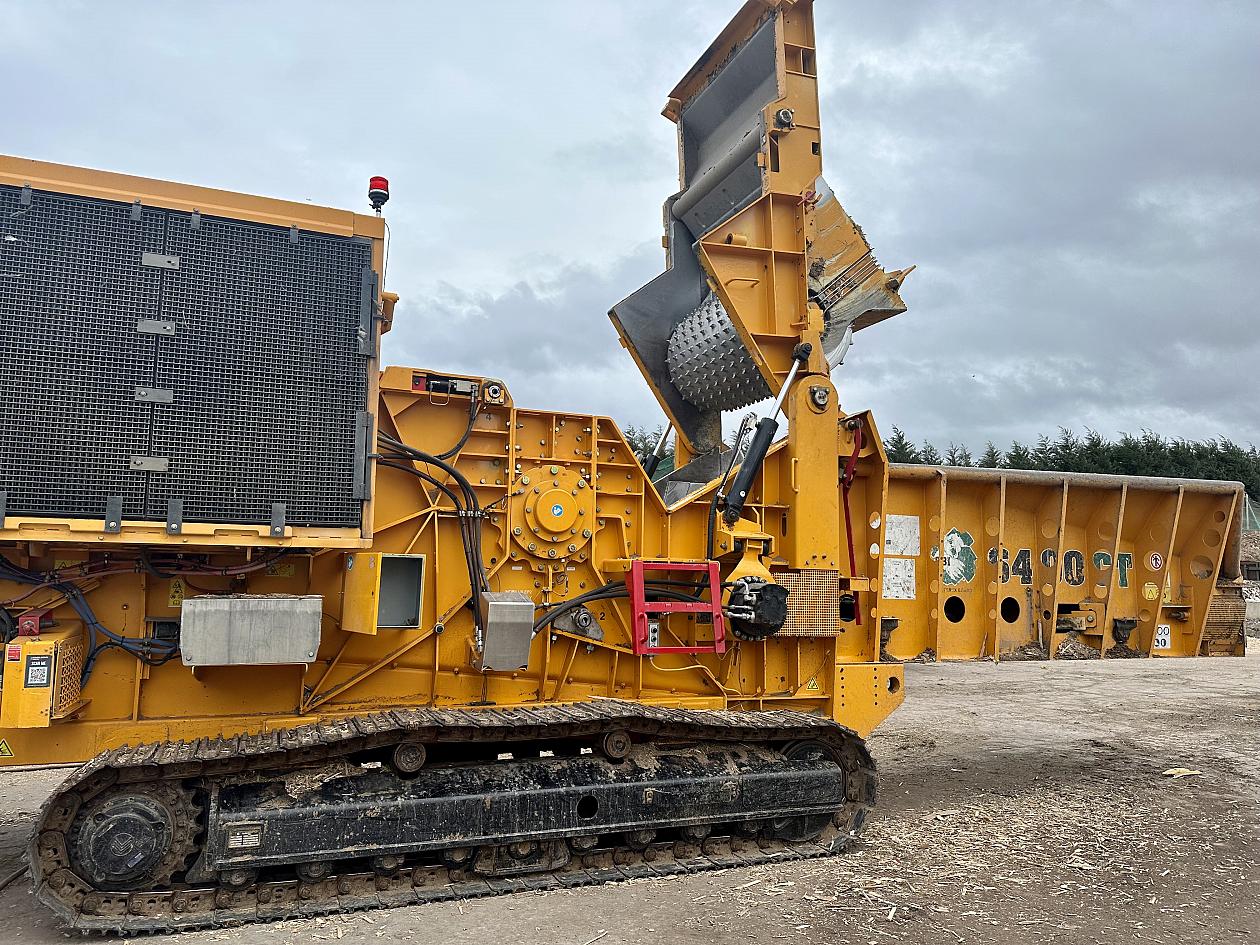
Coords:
178,772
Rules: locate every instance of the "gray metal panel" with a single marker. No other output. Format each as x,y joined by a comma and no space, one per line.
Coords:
722,132
647,319
261,630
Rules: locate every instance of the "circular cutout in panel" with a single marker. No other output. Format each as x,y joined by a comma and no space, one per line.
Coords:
991,525
1010,609
955,609
1218,516
934,523
1144,615
1201,567
874,520
1107,530
874,550
1212,538
1049,528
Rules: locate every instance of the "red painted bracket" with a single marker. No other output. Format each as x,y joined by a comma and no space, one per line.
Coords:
642,610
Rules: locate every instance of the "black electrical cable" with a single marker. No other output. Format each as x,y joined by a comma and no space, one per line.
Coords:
469,544
151,652
472,419
441,486
467,509
8,626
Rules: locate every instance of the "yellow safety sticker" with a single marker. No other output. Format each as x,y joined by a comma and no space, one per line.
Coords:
812,685
1150,590
281,569
5,750
175,598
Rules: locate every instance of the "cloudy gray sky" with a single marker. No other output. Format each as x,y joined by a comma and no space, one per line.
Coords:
1078,182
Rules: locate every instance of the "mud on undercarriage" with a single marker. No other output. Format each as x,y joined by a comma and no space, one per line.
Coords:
419,805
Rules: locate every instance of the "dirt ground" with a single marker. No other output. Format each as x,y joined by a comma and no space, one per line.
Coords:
1023,803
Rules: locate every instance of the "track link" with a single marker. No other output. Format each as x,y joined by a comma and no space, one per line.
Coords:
196,901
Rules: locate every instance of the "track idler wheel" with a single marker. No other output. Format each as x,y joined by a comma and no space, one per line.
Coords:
640,839
238,879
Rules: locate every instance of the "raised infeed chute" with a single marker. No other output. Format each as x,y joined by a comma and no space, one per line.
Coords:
761,256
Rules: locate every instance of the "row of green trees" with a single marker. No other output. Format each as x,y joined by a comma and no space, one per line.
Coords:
643,441
1148,454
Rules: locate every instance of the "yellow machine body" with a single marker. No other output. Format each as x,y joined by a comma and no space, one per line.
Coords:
567,507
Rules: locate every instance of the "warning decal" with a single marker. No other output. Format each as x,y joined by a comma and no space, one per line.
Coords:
898,579
901,535
5,750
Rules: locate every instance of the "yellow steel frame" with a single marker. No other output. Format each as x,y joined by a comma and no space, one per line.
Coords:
798,521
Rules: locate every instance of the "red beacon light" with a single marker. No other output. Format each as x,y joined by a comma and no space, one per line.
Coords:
378,192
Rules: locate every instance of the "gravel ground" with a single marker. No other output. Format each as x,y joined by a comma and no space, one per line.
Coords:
1023,803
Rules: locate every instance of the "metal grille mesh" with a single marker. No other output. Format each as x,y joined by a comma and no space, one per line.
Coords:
274,364
69,351
66,687
813,603
264,364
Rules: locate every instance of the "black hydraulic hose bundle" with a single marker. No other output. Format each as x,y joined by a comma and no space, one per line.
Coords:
472,419
151,652
661,590
466,506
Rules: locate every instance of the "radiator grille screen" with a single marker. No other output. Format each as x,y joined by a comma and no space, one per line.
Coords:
813,603
263,362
